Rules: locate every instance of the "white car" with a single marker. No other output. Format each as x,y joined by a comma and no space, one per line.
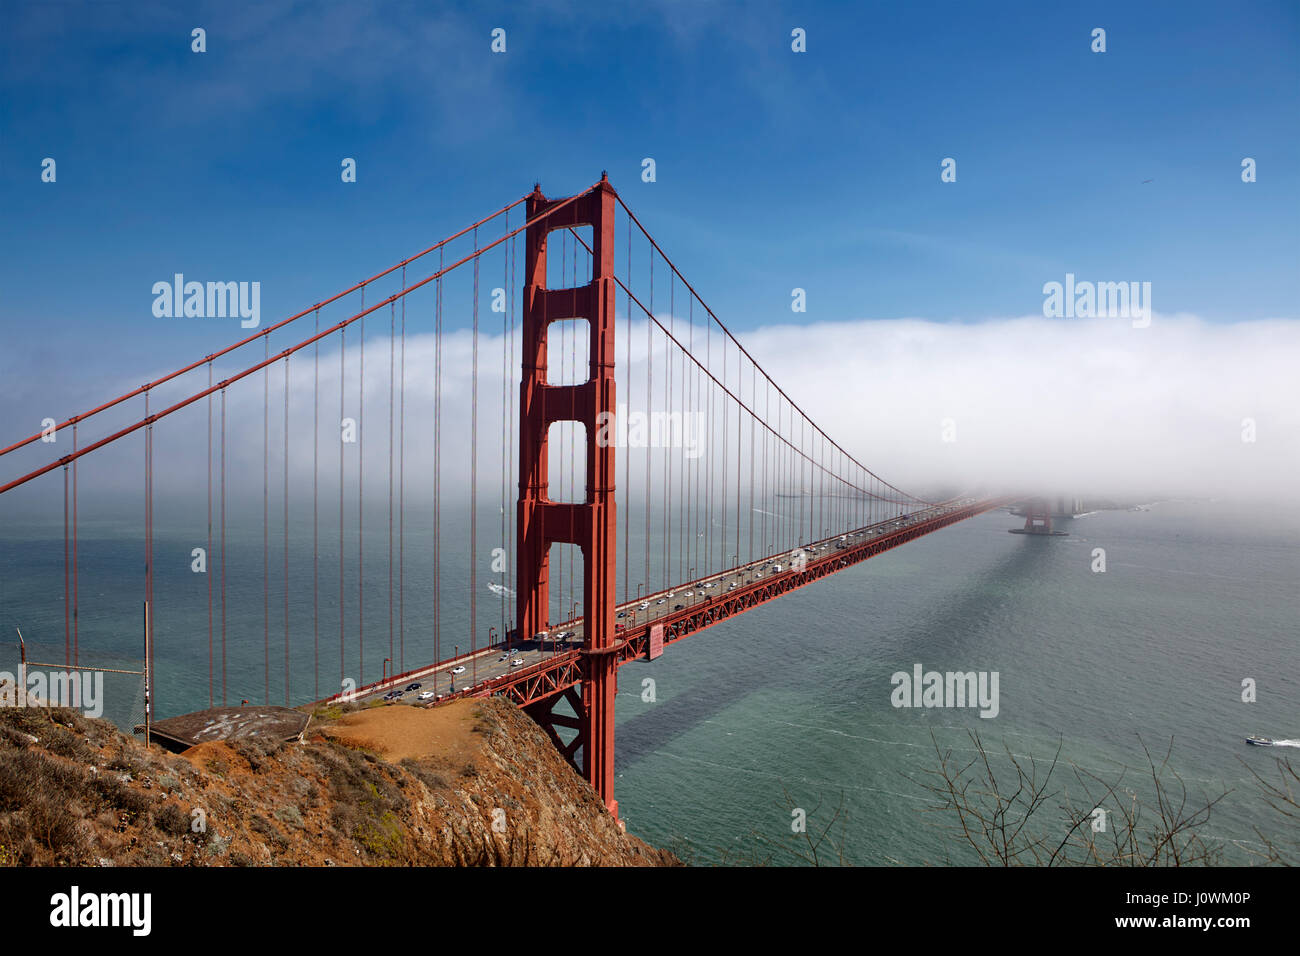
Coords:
644,605
427,695
662,601
517,662
458,669
690,594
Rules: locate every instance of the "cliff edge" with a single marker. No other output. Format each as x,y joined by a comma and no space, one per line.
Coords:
469,783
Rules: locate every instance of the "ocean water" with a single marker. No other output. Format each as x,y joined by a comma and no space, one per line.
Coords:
788,707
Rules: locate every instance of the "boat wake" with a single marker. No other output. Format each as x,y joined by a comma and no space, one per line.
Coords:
1286,743
500,589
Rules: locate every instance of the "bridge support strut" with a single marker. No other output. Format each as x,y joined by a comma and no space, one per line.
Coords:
589,524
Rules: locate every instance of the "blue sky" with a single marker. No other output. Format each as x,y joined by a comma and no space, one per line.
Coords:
775,170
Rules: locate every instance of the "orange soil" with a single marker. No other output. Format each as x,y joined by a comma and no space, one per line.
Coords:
398,731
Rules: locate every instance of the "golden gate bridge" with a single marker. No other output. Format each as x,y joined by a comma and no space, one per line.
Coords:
721,496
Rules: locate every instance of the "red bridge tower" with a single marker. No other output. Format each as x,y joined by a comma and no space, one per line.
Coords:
590,524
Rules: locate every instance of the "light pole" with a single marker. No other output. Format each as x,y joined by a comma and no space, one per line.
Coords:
384,677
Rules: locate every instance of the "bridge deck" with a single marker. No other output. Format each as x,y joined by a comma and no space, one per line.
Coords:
549,667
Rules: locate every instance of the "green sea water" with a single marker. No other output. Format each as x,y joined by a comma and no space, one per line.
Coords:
787,708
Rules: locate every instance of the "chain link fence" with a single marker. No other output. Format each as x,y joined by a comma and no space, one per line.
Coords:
97,684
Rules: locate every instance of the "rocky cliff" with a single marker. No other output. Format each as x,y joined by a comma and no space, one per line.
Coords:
473,782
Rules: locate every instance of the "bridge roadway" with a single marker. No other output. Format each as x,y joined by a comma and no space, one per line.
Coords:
533,669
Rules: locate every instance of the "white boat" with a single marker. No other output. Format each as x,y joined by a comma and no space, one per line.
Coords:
1259,741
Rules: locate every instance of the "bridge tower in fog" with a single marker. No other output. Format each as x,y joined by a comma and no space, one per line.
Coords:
1038,518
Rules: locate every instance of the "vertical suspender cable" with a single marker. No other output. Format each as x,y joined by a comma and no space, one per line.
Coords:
223,547
266,516
573,445
705,563
392,369
649,367
667,443
572,453
473,478
361,478
437,470
286,531
740,381
315,516
511,439
505,430
726,476
208,553
76,591
67,578
151,689
401,493
627,452
343,347
753,400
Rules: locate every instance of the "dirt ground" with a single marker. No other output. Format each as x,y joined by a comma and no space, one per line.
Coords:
398,731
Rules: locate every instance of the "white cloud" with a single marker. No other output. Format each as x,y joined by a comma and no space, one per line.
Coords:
1078,406
1074,405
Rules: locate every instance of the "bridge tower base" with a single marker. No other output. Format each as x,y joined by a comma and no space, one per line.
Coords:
1038,518
590,524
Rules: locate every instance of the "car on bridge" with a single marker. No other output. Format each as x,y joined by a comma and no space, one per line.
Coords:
412,687
427,695
458,669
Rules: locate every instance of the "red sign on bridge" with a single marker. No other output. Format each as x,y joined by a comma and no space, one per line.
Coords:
656,641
